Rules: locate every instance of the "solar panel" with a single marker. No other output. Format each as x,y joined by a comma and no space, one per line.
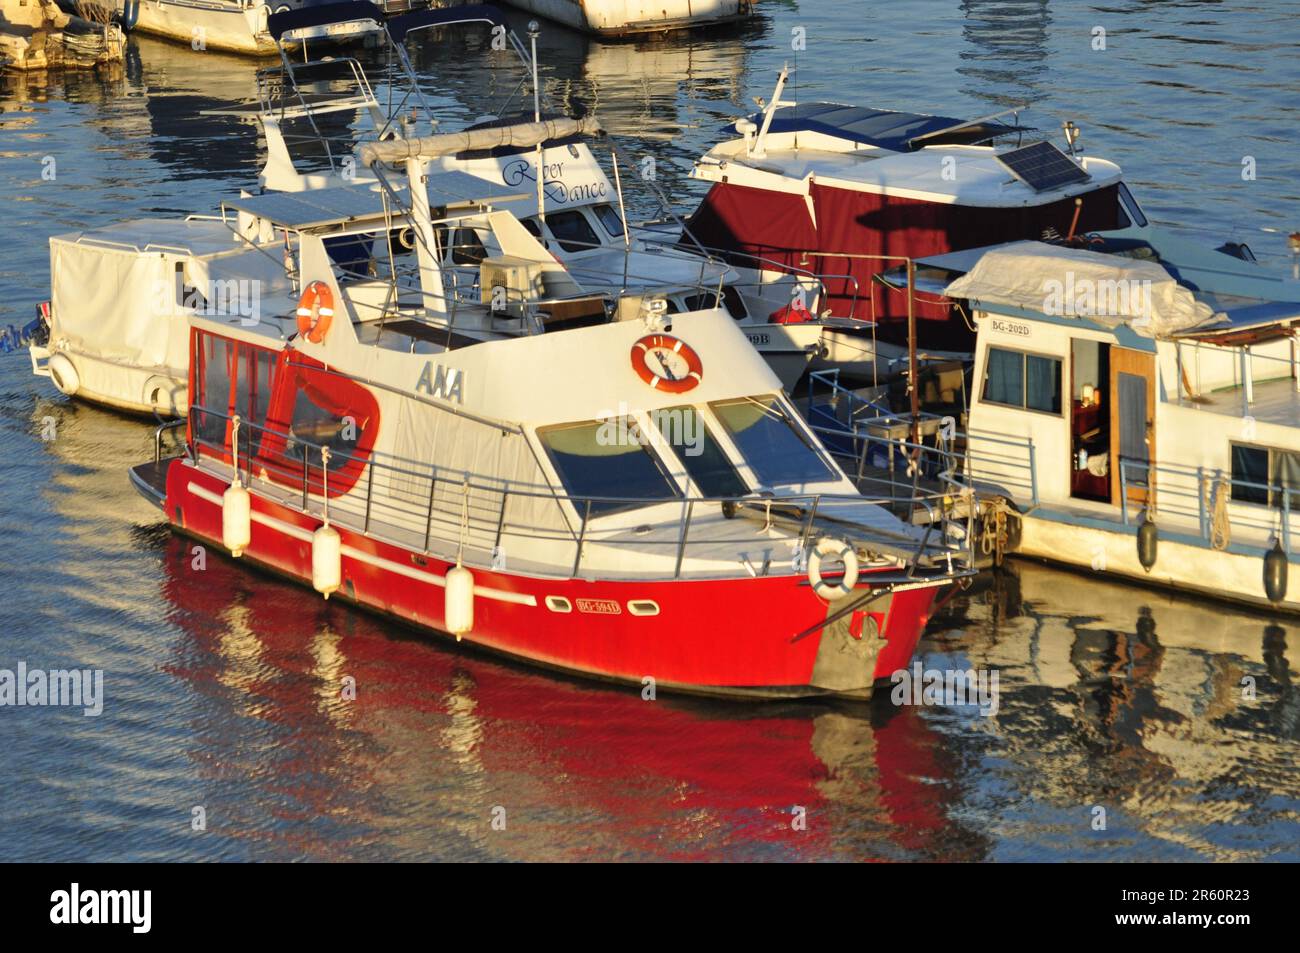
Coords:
1042,167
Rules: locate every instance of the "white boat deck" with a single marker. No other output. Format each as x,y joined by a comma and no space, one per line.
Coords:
1274,401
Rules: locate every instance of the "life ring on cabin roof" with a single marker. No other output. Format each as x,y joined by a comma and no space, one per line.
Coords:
315,311
667,363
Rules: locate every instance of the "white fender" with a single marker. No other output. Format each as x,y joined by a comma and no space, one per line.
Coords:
63,374
827,546
326,560
236,519
459,607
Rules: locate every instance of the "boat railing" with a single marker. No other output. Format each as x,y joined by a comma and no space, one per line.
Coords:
650,235
1207,503
450,513
870,439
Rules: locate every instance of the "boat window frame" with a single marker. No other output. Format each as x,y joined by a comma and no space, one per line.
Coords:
797,424
635,505
1023,406
564,243
730,452
1273,499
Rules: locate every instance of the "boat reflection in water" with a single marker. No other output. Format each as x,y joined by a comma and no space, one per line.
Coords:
1177,716
437,738
1134,707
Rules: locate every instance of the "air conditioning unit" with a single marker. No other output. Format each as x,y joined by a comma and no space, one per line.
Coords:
505,283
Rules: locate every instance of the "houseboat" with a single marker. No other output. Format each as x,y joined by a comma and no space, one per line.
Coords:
588,484
623,18
1135,409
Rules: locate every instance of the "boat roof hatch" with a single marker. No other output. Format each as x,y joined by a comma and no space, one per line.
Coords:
883,128
345,205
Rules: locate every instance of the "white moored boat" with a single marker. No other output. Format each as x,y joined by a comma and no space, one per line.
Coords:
632,17
233,26
1136,406
577,212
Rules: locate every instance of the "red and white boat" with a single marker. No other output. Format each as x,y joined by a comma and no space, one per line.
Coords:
850,191
622,495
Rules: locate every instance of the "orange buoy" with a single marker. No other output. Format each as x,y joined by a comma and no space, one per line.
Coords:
315,311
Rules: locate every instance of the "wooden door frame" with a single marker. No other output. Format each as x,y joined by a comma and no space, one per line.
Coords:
1127,360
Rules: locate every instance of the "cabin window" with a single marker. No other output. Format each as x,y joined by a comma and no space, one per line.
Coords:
775,448
466,247
314,408
1018,379
216,358
735,304
572,230
607,458
609,220
1266,473
701,302
706,463
533,228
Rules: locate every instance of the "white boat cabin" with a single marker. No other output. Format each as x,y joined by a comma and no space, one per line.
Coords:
1132,381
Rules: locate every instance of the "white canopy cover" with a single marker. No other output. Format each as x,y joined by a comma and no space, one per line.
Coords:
118,293
1070,282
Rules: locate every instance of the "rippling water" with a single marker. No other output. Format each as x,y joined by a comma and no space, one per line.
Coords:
222,685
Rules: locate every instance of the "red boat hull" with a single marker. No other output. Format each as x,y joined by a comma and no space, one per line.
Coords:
720,637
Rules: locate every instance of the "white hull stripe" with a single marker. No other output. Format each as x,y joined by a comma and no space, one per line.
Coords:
297,532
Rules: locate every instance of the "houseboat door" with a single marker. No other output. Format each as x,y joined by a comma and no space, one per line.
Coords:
1132,422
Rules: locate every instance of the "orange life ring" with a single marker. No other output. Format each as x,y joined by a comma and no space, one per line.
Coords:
315,311
679,367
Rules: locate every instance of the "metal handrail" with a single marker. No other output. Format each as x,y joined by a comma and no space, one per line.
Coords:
1180,490
930,506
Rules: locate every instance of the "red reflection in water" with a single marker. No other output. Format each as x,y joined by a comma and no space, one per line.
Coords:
589,771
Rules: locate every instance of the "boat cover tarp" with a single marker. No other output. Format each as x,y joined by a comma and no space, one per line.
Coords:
278,24
882,128
471,140
1070,282
119,301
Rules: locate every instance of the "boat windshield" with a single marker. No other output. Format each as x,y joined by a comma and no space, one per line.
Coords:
607,459
706,462
775,448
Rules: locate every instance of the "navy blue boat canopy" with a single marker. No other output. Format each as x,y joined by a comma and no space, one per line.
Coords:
883,128
278,24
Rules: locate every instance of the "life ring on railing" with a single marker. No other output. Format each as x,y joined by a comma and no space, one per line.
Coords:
826,546
315,311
